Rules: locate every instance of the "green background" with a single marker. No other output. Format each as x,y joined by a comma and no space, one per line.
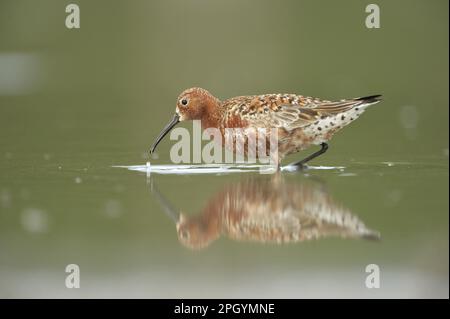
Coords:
73,103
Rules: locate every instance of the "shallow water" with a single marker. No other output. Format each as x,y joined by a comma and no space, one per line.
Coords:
176,169
76,104
112,223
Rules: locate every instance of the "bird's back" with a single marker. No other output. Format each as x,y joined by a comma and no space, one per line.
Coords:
301,121
289,110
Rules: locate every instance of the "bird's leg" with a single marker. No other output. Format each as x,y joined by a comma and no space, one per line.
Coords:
301,164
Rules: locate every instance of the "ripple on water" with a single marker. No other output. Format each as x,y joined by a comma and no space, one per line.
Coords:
217,168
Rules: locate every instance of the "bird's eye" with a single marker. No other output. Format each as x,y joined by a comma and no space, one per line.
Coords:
184,102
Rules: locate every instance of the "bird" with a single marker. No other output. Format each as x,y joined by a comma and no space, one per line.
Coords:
266,209
299,121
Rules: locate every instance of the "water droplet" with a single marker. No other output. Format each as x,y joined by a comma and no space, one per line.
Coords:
390,164
393,197
409,116
347,174
78,180
34,220
409,119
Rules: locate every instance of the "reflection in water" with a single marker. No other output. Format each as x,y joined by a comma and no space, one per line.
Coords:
268,210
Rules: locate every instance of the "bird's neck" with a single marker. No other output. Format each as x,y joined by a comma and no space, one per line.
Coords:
212,116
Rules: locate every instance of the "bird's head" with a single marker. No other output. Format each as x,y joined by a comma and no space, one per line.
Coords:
194,232
192,104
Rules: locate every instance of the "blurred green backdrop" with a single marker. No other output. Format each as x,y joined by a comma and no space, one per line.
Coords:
131,60
74,102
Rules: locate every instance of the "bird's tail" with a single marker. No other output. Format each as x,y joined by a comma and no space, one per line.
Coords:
371,99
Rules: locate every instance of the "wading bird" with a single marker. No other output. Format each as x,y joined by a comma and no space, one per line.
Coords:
300,121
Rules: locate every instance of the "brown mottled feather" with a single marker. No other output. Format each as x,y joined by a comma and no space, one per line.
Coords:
288,111
296,122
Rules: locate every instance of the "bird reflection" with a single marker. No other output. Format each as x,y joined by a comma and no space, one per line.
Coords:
267,209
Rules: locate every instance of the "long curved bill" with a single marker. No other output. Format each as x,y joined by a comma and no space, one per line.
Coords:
164,132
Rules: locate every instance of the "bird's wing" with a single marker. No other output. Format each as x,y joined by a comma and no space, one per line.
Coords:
289,111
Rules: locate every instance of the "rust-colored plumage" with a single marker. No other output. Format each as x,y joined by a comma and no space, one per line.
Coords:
300,121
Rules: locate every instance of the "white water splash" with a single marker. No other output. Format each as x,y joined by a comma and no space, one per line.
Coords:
216,168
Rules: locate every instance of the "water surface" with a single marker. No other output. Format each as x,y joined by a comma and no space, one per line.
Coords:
76,104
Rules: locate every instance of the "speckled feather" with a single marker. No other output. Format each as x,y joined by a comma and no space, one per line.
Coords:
297,120
287,111
301,121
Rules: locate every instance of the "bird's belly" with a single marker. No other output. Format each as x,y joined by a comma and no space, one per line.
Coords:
251,142
293,141
253,145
